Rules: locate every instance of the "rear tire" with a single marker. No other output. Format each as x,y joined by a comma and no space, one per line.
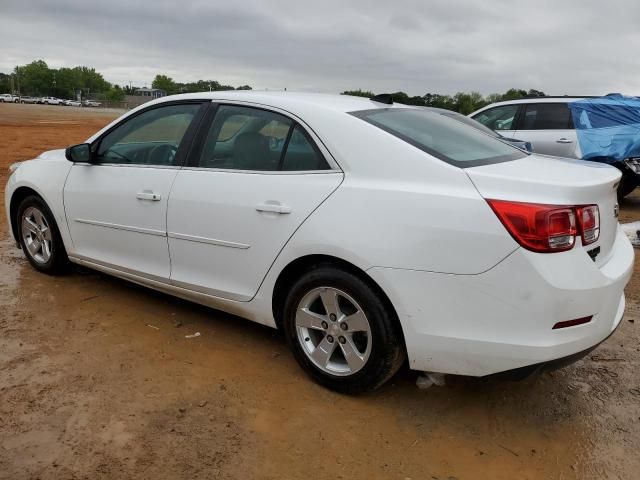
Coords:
39,236
627,185
341,332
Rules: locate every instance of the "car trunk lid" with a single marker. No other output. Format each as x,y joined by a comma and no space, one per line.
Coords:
556,181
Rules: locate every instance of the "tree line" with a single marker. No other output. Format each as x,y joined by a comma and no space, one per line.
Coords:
163,82
37,79
461,102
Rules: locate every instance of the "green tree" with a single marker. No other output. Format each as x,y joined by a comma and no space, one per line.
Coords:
5,83
358,93
92,81
116,94
35,78
163,82
514,94
535,93
466,103
68,82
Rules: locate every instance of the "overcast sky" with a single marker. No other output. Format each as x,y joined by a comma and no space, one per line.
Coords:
419,46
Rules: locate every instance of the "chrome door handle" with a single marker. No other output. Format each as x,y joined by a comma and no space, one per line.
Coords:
274,207
147,195
564,140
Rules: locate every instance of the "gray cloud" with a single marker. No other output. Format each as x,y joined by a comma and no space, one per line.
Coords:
573,47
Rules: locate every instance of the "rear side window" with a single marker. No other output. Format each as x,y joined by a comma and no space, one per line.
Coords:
546,116
443,137
242,138
302,154
498,118
246,138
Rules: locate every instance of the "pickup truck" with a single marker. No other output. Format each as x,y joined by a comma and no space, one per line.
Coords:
8,98
52,101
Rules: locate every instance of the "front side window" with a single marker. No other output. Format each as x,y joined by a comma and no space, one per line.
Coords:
245,138
441,136
546,116
498,118
150,138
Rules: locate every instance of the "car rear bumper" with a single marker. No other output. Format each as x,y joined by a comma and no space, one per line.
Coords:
503,319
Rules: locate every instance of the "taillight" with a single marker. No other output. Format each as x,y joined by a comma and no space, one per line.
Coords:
589,219
548,228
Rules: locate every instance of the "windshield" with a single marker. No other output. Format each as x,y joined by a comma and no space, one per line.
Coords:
439,135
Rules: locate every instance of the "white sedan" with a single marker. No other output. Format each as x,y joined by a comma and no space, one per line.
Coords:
369,232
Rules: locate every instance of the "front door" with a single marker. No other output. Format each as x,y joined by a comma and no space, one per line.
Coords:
256,176
116,206
501,119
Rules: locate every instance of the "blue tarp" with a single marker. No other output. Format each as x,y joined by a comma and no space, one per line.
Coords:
608,127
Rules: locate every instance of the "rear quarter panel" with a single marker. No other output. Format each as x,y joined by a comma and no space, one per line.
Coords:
397,207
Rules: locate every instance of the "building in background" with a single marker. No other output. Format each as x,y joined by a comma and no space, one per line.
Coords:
143,95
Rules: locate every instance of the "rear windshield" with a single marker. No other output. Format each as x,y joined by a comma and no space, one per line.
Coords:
471,122
443,137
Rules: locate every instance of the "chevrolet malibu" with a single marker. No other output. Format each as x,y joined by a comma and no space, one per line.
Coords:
371,233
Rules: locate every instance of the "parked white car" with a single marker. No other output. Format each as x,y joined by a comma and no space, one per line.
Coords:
51,101
547,123
368,232
544,121
27,99
8,98
72,103
91,103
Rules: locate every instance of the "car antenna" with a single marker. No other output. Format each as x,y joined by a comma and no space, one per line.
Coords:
383,98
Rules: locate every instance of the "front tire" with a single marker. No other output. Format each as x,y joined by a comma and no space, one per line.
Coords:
341,331
40,237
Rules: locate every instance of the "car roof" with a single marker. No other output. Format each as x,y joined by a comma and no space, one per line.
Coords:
539,100
290,101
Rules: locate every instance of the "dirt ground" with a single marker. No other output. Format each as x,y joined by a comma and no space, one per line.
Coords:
97,380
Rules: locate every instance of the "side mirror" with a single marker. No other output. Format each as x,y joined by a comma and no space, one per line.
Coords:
79,153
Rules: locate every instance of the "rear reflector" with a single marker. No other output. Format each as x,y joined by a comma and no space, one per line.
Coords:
572,323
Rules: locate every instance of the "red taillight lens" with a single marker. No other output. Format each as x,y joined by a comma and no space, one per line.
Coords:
589,220
548,228
540,228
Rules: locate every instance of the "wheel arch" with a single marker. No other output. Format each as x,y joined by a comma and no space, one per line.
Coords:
17,196
297,267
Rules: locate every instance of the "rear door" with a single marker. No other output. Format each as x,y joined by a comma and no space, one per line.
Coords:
253,177
549,128
501,119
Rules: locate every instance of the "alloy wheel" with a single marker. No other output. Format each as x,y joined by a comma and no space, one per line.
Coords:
36,235
334,331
